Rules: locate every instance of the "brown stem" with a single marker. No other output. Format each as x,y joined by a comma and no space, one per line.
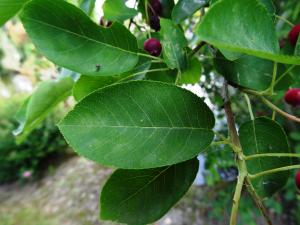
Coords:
241,164
197,48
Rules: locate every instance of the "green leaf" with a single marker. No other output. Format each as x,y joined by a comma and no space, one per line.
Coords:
186,8
174,43
34,110
87,84
138,125
230,55
264,135
116,10
167,76
167,6
8,8
191,75
71,40
269,5
246,27
144,196
87,6
247,71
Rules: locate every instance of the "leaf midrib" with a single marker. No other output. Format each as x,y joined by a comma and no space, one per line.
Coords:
145,186
78,35
135,127
256,144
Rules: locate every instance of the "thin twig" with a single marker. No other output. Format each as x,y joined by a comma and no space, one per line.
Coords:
197,48
280,111
241,164
276,170
290,155
257,200
285,20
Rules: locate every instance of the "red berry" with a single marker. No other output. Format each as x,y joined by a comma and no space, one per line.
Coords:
153,46
292,96
297,179
293,35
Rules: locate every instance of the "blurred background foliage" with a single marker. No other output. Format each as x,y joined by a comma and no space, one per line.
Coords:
22,68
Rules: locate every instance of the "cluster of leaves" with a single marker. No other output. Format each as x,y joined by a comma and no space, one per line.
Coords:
153,131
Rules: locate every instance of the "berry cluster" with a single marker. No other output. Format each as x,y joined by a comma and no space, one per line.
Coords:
155,9
154,12
292,96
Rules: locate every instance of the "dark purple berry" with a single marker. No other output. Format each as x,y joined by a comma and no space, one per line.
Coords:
155,7
153,46
155,22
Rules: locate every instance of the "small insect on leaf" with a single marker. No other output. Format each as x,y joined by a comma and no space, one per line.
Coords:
98,67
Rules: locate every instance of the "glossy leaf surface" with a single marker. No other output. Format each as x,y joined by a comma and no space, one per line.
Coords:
263,135
247,71
119,125
246,27
87,84
71,40
144,196
8,8
174,43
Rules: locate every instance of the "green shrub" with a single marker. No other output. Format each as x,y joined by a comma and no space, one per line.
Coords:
26,160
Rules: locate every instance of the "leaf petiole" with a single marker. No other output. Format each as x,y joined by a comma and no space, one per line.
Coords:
150,56
291,155
267,172
142,72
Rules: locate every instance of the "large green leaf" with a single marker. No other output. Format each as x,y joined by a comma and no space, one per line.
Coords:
246,27
87,84
174,43
269,5
139,124
265,136
191,75
116,10
47,95
247,71
8,8
185,8
144,196
70,39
